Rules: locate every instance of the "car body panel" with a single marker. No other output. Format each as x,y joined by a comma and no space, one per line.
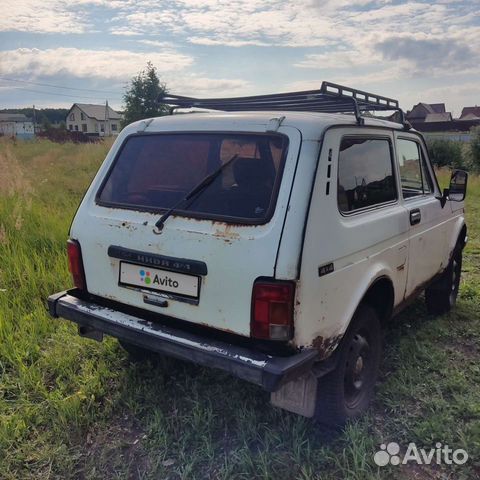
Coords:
428,247
235,254
362,247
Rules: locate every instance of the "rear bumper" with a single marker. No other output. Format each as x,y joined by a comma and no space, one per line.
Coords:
267,371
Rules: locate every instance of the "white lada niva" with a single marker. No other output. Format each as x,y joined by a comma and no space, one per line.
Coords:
271,237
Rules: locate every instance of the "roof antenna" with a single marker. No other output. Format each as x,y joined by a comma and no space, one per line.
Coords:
274,123
143,126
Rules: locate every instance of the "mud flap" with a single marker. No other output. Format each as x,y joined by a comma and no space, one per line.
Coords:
298,396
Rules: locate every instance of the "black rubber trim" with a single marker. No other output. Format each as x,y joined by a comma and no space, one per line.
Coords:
182,265
267,371
52,302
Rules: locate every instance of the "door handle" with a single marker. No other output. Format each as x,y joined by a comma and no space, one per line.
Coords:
415,216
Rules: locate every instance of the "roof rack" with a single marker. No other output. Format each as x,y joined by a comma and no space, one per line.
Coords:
331,98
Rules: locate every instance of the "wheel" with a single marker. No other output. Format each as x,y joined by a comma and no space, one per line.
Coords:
345,393
441,296
137,354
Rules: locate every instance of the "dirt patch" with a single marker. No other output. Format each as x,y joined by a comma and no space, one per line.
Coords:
110,450
412,471
468,349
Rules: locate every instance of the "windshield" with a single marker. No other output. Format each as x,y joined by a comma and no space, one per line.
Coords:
154,172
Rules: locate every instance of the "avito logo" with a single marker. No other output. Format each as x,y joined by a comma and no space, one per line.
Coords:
145,277
160,280
390,455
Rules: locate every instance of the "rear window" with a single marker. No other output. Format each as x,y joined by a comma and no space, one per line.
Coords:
365,174
154,172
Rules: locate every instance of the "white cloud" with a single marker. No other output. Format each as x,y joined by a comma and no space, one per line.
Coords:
46,16
310,23
156,43
201,86
232,22
237,23
361,79
115,64
335,60
50,16
375,77
124,32
225,42
359,42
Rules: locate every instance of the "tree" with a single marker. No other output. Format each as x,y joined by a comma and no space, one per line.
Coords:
141,97
446,153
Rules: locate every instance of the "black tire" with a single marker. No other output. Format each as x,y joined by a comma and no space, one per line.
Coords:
345,393
441,296
137,354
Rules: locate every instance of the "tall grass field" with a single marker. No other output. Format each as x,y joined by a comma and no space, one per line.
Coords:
71,408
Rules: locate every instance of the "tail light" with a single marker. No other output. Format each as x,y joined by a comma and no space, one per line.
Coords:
272,310
75,264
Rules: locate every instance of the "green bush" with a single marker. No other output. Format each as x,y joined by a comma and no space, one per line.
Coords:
446,153
474,149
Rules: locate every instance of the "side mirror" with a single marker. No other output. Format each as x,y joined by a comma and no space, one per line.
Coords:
457,190
458,186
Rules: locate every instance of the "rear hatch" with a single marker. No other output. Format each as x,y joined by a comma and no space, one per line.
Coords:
202,266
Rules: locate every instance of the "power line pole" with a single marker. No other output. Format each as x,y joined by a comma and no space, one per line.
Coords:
107,133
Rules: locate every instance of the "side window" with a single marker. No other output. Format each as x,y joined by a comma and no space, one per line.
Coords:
365,173
414,175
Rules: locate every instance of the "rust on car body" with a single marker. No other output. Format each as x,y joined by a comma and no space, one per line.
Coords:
326,346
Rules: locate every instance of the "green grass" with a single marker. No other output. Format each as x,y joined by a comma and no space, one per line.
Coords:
74,408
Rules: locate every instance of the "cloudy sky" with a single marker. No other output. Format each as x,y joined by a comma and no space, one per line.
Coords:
414,51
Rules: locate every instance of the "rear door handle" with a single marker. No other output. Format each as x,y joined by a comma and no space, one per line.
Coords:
415,216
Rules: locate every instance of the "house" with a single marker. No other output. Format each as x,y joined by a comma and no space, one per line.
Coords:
95,120
456,129
470,113
16,125
421,110
438,117
435,122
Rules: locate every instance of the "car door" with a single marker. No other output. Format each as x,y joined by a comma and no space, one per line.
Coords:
357,231
428,220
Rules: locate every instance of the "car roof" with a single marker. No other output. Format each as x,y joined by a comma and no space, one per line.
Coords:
311,124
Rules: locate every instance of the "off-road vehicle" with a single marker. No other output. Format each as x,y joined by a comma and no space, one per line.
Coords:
269,236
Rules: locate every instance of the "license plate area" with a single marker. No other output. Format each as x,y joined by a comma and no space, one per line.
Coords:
158,280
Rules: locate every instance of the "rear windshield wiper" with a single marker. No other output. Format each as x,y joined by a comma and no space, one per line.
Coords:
193,193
